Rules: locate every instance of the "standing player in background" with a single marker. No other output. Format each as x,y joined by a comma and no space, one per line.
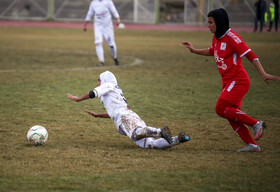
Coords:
128,123
274,15
260,6
101,10
228,49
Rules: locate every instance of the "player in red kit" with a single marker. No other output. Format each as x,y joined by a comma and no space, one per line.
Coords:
228,49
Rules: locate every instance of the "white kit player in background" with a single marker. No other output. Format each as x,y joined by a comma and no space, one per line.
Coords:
101,11
128,123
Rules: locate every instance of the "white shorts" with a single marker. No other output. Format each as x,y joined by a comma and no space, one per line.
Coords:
106,31
129,122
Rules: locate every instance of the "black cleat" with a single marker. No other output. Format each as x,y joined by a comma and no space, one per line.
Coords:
116,61
182,137
165,133
100,64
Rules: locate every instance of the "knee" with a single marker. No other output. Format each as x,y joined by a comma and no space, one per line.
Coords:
146,143
98,47
220,110
149,143
111,45
139,133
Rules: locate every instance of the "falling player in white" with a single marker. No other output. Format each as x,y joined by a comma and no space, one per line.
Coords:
127,122
101,10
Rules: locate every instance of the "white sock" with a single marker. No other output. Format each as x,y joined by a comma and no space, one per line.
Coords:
146,132
99,52
155,132
162,143
113,50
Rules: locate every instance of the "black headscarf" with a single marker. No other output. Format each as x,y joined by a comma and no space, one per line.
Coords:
221,19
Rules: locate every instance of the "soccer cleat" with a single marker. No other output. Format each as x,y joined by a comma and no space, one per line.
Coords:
258,129
116,61
182,137
100,64
250,148
165,133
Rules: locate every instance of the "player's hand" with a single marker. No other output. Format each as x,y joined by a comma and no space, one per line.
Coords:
185,43
85,26
91,113
71,97
266,77
188,45
118,21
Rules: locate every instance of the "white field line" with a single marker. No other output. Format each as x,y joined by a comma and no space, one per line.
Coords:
136,61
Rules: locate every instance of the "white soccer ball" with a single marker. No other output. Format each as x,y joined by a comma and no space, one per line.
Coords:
121,26
37,135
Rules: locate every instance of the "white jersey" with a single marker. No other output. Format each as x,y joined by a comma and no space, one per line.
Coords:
111,96
128,122
101,10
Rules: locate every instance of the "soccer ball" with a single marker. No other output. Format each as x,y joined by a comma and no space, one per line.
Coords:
37,135
121,26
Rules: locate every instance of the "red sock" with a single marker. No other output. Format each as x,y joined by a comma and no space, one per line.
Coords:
243,132
233,113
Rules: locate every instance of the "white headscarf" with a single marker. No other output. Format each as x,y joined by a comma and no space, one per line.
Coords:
108,77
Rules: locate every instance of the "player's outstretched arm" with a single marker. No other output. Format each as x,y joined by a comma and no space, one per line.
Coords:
101,115
85,26
118,21
188,45
77,99
266,77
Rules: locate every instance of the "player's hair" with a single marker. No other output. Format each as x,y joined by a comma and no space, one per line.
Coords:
220,17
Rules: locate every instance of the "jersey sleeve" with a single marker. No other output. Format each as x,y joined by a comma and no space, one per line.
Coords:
238,45
113,9
90,13
251,56
103,89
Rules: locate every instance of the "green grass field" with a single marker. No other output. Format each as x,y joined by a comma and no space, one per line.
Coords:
38,67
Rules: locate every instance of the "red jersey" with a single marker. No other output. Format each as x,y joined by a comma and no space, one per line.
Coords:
228,52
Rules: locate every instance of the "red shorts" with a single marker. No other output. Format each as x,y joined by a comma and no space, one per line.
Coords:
234,91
